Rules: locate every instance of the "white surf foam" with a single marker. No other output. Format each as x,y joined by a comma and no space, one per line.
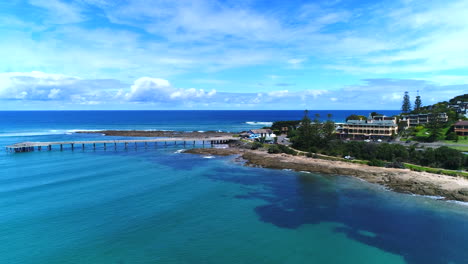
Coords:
257,123
43,132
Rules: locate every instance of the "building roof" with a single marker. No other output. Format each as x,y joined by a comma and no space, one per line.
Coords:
462,123
371,122
356,121
375,123
261,131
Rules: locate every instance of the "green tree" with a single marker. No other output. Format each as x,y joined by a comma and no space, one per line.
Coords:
304,139
406,106
313,134
356,117
417,104
328,131
449,158
434,126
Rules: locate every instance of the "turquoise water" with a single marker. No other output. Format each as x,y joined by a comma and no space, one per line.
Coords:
156,205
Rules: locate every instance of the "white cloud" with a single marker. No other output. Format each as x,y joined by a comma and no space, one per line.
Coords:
147,89
449,79
295,61
282,93
46,86
60,12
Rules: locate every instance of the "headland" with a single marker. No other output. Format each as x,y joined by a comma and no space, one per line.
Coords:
399,180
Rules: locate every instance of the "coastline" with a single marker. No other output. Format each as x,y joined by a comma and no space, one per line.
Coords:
399,180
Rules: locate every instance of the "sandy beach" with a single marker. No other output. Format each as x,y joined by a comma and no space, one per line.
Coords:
399,180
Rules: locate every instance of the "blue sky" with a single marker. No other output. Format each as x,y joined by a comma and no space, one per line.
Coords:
144,54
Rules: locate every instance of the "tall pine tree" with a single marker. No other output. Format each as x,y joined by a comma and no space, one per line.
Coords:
406,106
304,138
417,104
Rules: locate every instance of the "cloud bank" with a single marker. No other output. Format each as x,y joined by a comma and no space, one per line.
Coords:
221,54
157,93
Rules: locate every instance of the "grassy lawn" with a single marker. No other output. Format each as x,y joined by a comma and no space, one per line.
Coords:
464,149
424,133
461,140
436,170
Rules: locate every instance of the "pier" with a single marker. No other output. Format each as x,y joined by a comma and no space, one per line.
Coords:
115,144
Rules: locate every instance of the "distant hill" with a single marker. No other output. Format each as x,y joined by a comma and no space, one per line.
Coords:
442,106
463,98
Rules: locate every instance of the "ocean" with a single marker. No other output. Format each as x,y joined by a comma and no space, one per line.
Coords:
157,205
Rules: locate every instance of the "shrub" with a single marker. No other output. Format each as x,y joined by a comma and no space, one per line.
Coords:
313,149
396,165
256,145
449,158
376,163
274,149
287,150
452,136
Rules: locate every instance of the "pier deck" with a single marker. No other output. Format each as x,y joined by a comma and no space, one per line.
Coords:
31,146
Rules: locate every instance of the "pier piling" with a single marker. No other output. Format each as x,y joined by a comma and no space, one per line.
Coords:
30,146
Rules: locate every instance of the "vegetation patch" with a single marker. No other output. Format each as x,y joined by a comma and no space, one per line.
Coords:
435,170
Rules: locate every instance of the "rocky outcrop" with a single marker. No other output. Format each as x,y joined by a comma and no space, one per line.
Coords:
143,133
214,151
400,180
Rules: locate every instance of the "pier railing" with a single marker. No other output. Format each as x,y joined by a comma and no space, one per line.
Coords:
32,146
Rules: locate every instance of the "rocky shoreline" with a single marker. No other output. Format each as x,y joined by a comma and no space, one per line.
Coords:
158,133
399,180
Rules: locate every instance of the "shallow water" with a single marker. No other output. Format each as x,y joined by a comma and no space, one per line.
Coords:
156,205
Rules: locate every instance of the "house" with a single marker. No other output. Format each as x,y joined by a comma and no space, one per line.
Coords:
460,107
266,134
461,128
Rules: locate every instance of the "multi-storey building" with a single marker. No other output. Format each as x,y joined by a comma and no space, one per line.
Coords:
422,119
461,128
377,127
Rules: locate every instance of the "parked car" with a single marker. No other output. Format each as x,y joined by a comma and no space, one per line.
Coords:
379,140
367,140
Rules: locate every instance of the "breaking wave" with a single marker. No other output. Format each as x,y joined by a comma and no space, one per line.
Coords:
43,133
256,123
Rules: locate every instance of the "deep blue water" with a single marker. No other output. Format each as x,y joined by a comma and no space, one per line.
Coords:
157,205
58,122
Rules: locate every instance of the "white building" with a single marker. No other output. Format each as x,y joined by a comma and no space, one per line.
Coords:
257,134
